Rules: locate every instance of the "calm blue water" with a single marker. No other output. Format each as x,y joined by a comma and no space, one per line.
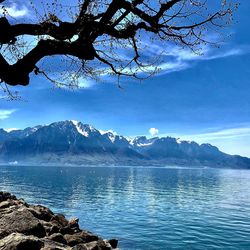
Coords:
145,208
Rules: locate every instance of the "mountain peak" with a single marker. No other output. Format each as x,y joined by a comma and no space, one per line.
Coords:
112,135
143,141
8,130
83,129
74,122
62,141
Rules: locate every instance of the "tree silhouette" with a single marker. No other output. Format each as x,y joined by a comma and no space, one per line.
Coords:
91,35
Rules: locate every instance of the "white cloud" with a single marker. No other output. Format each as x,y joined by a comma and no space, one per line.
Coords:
6,113
153,131
14,10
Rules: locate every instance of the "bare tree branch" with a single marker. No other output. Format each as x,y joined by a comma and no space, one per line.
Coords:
106,26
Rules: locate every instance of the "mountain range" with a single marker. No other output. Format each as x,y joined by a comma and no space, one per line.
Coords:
74,143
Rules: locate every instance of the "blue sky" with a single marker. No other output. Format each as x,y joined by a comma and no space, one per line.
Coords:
201,98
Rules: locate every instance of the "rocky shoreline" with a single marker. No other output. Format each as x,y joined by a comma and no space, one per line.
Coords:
35,227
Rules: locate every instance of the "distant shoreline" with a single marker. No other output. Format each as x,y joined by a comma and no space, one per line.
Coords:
119,166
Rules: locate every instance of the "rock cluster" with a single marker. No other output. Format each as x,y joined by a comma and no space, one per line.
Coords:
35,227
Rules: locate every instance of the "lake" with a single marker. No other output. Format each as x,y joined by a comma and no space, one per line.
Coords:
144,208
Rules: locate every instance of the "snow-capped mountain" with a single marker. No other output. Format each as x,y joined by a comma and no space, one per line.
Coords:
72,142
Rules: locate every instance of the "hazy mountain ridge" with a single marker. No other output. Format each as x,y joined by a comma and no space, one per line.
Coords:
72,142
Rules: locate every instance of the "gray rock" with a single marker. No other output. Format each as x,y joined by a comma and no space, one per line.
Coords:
94,245
52,230
53,245
29,227
73,239
4,196
113,243
98,245
41,212
57,237
6,204
79,247
60,219
20,221
79,238
73,223
17,241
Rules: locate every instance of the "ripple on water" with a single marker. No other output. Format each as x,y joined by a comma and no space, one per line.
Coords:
145,208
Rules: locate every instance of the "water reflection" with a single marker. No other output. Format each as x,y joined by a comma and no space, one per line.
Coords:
178,208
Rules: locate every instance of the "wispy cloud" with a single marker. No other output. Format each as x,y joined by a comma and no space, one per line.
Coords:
172,58
69,81
220,134
176,59
6,113
14,10
170,67
205,53
228,53
3,97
